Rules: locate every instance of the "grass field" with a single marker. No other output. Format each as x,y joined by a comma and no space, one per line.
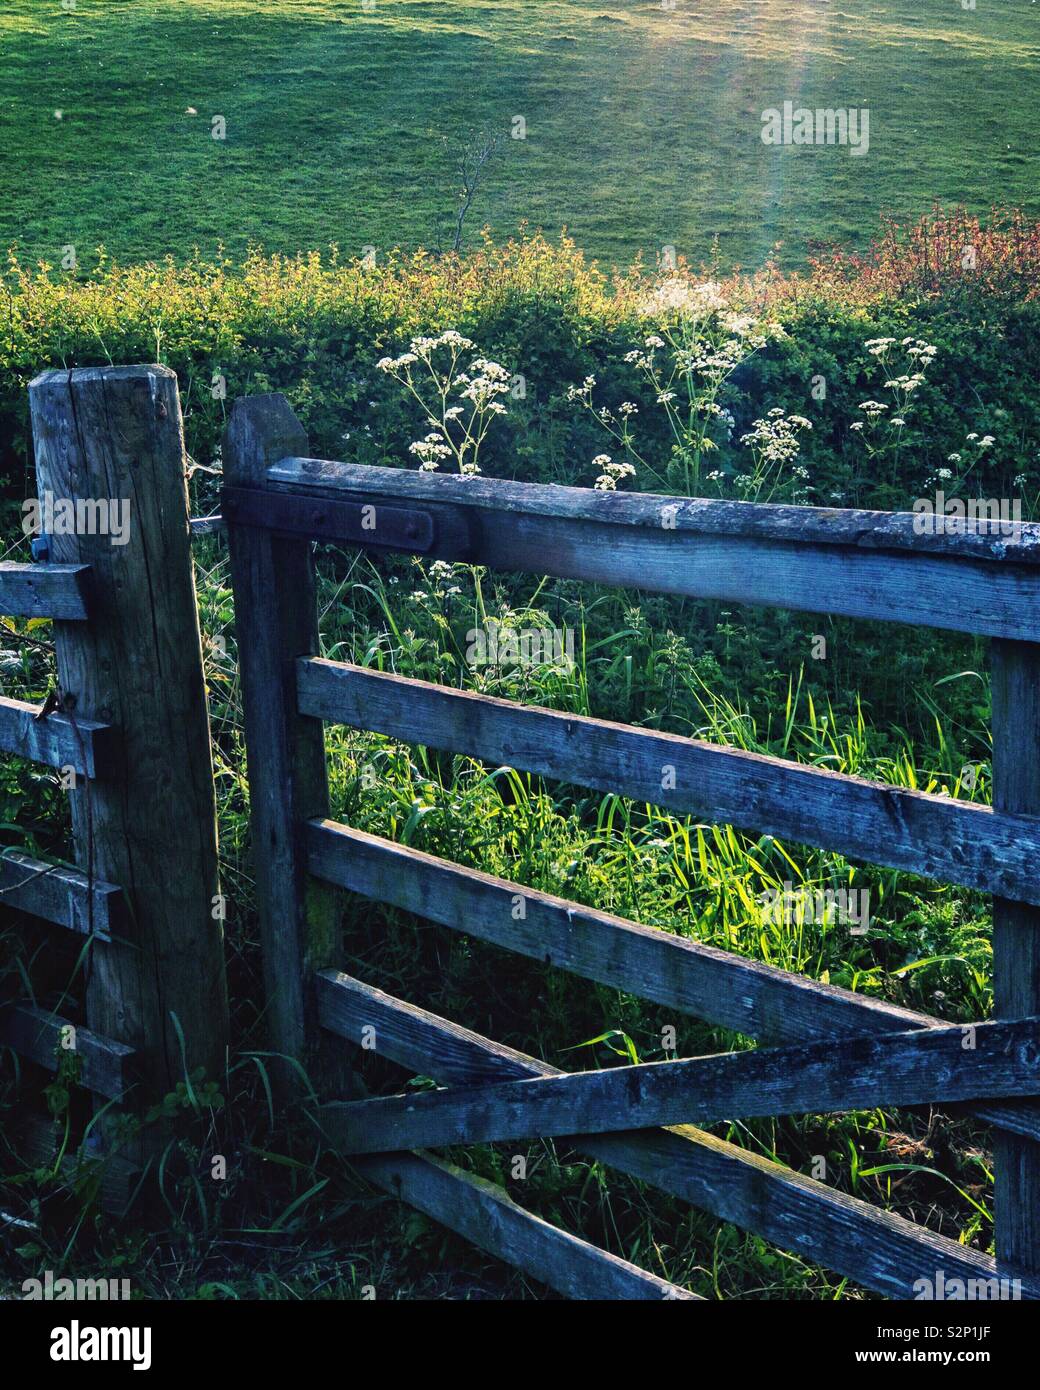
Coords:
642,123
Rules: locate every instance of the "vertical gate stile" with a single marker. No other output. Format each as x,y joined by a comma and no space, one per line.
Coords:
1016,936
276,621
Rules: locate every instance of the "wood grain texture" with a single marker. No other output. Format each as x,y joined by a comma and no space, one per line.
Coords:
105,1065
276,621
934,836
698,516
62,895
933,1065
389,527
720,987
148,823
879,1250
89,747
1016,934
757,1000
486,1215
967,582
44,591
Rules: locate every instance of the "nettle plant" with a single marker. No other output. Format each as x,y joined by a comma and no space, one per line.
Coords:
697,344
460,401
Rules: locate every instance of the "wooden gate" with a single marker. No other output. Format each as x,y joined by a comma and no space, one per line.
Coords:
829,1049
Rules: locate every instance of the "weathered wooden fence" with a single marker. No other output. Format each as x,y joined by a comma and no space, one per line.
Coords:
830,1049
128,728
130,723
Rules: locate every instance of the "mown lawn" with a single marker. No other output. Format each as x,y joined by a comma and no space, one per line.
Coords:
643,123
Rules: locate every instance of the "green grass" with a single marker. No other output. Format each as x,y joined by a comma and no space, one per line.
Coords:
643,124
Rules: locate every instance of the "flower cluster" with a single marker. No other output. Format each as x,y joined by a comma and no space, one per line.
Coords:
483,384
964,460
430,451
677,298
611,473
697,344
776,437
884,424
775,445
432,372
439,577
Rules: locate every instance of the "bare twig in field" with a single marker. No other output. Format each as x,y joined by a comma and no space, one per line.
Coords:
471,160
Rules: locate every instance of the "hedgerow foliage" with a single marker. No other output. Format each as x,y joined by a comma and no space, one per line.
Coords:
314,327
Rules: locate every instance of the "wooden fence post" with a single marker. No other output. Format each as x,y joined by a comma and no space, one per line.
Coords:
1016,936
110,438
276,621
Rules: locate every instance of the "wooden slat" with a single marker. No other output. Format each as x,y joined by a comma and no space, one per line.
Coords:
933,1065
695,516
62,895
36,1034
683,546
43,591
747,996
757,1000
87,747
953,841
486,1215
878,1249
1016,934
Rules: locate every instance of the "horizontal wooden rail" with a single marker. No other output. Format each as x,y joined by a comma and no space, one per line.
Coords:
933,1065
696,516
876,1248
44,591
486,1215
62,895
38,1035
855,564
724,989
953,841
84,745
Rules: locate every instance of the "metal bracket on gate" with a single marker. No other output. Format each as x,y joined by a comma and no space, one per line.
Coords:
368,522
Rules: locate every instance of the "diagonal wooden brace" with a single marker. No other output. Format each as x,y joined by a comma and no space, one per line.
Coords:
964,1062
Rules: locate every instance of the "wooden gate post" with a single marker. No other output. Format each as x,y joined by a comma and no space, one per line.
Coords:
110,438
1016,936
276,621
